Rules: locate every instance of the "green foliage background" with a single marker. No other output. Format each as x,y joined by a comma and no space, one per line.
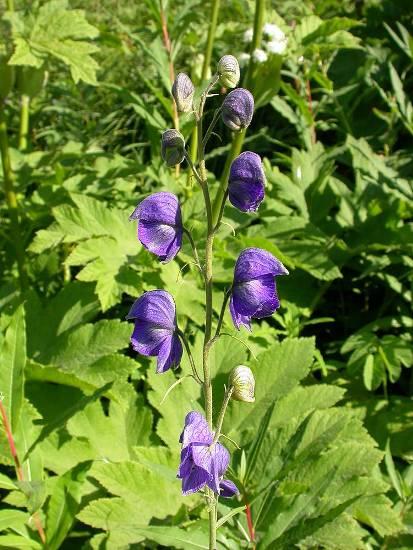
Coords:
325,458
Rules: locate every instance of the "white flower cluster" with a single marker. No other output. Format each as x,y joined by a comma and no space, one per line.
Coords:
274,41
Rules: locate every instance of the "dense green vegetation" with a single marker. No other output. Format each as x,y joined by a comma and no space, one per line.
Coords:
323,458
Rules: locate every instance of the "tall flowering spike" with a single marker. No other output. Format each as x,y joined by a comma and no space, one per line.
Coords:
228,71
201,462
183,92
243,382
237,109
155,332
172,147
160,225
246,182
254,294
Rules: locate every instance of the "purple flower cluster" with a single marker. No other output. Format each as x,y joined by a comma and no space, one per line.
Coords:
202,462
160,229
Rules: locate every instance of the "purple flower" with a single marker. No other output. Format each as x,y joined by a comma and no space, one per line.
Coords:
237,109
202,464
246,182
160,225
155,331
254,294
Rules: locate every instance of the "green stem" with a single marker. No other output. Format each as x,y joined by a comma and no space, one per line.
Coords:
194,249
227,397
208,299
210,39
238,140
10,5
11,198
221,315
190,357
24,122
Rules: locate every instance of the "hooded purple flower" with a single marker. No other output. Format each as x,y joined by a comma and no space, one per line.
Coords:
160,224
200,464
254,294
155,331
246,182
237,109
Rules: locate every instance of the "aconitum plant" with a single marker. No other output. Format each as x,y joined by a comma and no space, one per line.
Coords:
204,460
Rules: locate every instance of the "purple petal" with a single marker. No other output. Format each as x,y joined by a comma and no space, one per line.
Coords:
148,338
237,318
255,296
196,430
227,489
163,240
186,463
255,262
202,457
162,207
170,353
246,182
155,306
220,461
195,481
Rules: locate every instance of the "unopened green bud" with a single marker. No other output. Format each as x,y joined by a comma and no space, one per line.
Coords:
183,92
243,382
228,71
172,147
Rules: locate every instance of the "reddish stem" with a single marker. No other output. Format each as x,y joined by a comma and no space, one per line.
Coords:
249,521
13,451
310,107
168,48
18,467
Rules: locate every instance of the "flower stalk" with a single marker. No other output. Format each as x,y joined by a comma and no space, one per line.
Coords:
11,199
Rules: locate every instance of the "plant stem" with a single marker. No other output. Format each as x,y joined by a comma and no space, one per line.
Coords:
210,39
238,140
24,122
203,181
11,198
194,249
168,48
10,5
222,313
249,521
227,397
190,357
18,467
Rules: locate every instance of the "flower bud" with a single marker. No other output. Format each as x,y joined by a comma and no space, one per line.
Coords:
183,92
243,382
228,71
172,147
237,109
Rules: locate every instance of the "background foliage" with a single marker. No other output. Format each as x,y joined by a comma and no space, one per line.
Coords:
327,447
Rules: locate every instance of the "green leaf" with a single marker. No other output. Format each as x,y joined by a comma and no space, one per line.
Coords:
13,361
141,486
173,537
65,415
277,371
64,504
55,32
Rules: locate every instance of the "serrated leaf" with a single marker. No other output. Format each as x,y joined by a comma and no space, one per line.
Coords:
55,32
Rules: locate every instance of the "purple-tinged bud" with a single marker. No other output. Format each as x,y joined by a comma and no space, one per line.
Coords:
237,109
183,92
228,71
243,383
172,147
246,182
